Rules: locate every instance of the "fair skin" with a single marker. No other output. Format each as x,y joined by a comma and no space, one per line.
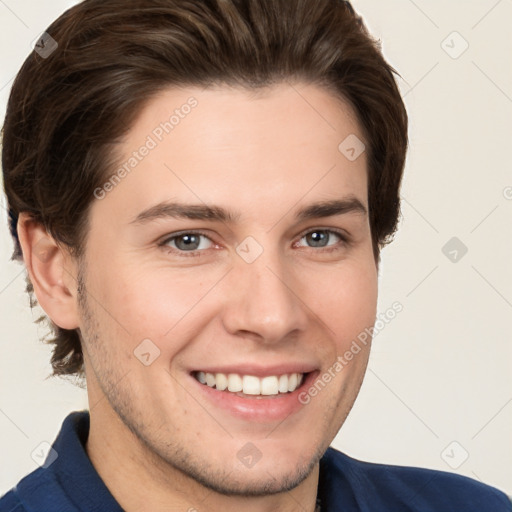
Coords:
159,438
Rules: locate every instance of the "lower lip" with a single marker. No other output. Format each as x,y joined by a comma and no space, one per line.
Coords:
264,409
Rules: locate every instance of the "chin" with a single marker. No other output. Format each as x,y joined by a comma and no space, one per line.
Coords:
254,481
277,472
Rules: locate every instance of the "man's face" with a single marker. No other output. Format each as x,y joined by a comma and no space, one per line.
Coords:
265,294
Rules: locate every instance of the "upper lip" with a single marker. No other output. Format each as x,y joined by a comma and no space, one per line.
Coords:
258,370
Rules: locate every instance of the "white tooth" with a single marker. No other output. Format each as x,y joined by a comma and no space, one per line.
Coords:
283,384
292,382
221,381
210,379
234,382
300,379
201,377
269,386
251,385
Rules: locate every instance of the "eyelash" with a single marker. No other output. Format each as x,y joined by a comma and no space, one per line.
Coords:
198,252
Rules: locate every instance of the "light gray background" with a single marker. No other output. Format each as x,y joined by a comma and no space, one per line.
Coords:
439,384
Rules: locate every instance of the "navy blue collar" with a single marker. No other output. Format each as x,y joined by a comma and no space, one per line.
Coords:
89,491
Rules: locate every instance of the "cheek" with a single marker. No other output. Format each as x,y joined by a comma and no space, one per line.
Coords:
155,303
346,300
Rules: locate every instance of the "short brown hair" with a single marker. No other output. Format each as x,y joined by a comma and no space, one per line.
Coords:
67,109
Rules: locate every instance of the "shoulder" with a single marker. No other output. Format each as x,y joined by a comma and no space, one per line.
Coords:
10,502
41,489
412,488
38,486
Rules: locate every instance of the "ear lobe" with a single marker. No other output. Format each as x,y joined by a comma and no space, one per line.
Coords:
51,271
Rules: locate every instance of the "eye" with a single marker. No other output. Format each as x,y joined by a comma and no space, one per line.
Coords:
194,243
187,242
319,238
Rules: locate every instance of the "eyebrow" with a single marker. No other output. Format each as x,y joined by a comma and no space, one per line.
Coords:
349,204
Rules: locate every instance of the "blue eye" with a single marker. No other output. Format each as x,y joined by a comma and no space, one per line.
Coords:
189,241
320,237
195,243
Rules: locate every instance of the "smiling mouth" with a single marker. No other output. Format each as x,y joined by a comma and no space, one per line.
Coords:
250,386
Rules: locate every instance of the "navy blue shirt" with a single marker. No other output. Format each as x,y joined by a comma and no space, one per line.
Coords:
71,484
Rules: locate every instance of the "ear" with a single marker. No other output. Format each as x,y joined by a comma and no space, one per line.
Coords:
52,271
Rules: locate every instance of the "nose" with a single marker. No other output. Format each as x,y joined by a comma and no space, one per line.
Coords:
264,299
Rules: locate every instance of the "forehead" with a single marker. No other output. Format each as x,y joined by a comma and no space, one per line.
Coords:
229,145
